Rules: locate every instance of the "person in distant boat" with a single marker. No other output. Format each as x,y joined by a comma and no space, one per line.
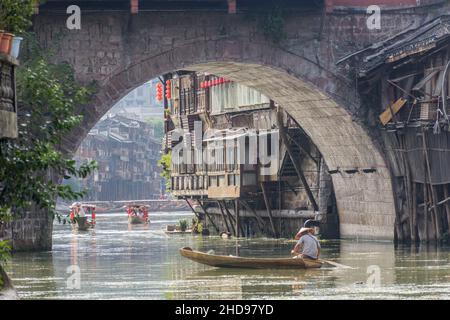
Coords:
142,212
308,246
81,211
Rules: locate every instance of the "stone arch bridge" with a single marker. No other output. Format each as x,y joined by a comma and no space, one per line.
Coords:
120,51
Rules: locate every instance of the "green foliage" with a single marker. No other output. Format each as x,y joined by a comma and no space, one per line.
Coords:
158,126
47,96
15,15
5,252
197,225
183,224
164,163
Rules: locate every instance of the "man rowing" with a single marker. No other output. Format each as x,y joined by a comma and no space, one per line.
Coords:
308,245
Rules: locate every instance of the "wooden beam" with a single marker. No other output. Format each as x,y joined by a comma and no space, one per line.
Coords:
238,222
190,206
300,147
223,216
390,112
207,214
259,220
447,206
269,211
297,166
232,220
433,192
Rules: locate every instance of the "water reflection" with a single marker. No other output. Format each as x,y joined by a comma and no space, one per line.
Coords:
120,261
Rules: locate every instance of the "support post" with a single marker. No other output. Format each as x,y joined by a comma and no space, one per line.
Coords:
269,211
433,190
297,165
207,214
259,220
447,206
236,210
230,216
223,216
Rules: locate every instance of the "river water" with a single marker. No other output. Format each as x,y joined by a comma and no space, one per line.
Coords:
119,261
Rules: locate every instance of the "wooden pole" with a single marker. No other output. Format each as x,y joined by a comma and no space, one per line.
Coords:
207,214
190,206
408,189
297,166
230,216
236,210
433,191
447,207
258,218
414,231
269,211
223,216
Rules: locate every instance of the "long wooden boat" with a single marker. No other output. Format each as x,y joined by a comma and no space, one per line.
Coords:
252,263
137,220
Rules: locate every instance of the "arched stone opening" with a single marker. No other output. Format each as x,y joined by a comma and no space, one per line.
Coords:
319,101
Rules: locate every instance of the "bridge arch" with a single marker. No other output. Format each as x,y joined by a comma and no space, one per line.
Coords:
310,93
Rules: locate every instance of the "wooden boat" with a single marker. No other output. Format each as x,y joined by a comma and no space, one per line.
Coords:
137,214
82,223
252,263
137,220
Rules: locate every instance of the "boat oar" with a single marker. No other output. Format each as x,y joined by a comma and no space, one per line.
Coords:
338,265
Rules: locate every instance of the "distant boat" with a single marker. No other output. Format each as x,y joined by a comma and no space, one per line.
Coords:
137,220
250,263
137,214
81,222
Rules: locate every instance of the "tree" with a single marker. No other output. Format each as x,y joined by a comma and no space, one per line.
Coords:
15,15
47,96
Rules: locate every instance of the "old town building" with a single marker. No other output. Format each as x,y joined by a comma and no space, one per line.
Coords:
127,154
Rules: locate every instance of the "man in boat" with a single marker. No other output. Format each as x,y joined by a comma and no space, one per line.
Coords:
308,246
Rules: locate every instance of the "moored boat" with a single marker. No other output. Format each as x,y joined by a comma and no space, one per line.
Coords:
251,263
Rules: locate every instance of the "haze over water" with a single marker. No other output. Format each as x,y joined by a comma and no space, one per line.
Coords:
118,261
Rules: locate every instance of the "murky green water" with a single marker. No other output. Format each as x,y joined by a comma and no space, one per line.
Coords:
117,261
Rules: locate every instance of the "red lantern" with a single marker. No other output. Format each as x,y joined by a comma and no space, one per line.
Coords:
202,85
221,80
216,82
210,83
159,89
